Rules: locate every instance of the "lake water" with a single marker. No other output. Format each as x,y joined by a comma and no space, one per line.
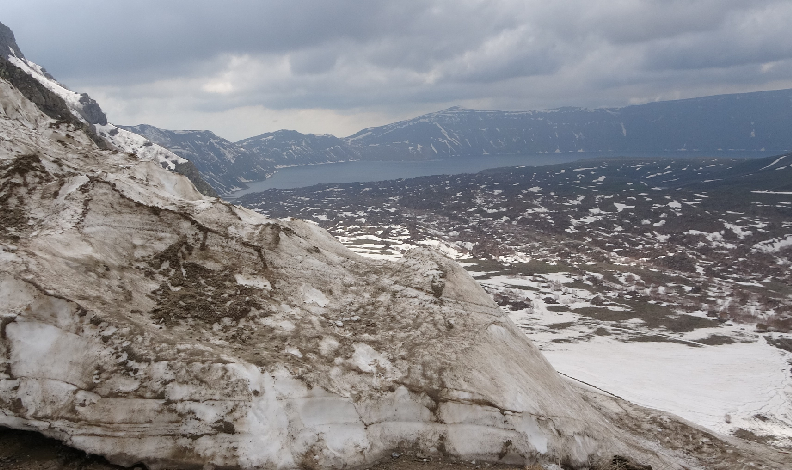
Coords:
362,172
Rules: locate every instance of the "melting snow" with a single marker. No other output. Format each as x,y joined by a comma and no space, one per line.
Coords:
774,245
703,385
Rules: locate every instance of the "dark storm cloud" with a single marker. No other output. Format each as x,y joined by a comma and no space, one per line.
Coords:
153,39
152,60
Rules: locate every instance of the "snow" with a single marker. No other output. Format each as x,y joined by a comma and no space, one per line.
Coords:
71,98
140,146
368,360
739,231
786,193
586,220
773,164
715,238
774,245
119,138
313,295
702,385
259,282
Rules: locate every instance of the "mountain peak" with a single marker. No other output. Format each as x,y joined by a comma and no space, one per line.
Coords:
8,42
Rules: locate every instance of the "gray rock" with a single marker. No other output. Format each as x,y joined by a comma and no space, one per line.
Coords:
91,110
8,42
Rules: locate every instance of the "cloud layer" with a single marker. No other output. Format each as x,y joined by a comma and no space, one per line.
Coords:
243,68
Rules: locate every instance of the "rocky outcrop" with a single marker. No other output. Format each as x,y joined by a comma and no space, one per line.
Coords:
8,42
83,112
48,102
146,323
189,170
91,111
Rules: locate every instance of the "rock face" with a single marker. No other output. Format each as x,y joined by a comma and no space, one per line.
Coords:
82,111
144,322
8,43
228,165
222,163
91,110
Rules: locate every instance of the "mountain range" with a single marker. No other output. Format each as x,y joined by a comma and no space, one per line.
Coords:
227,165
756,121
749,121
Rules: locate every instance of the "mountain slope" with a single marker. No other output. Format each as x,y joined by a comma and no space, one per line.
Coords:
65,105
228,165
750,121
219,161
665,281
146,323
291,148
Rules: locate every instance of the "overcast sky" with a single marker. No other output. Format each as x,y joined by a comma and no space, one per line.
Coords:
242,68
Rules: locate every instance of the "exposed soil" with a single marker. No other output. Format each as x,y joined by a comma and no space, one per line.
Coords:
780,343
201,293
715,340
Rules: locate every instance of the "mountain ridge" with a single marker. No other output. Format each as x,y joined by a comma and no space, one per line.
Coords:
754,121
227,165
82,111
744,121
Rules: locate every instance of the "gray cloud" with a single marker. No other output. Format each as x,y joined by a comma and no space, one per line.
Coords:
313,63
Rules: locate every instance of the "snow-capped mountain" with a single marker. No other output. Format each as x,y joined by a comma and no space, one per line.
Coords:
223,164
743,122
227,165
750,121
87,110
292,148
